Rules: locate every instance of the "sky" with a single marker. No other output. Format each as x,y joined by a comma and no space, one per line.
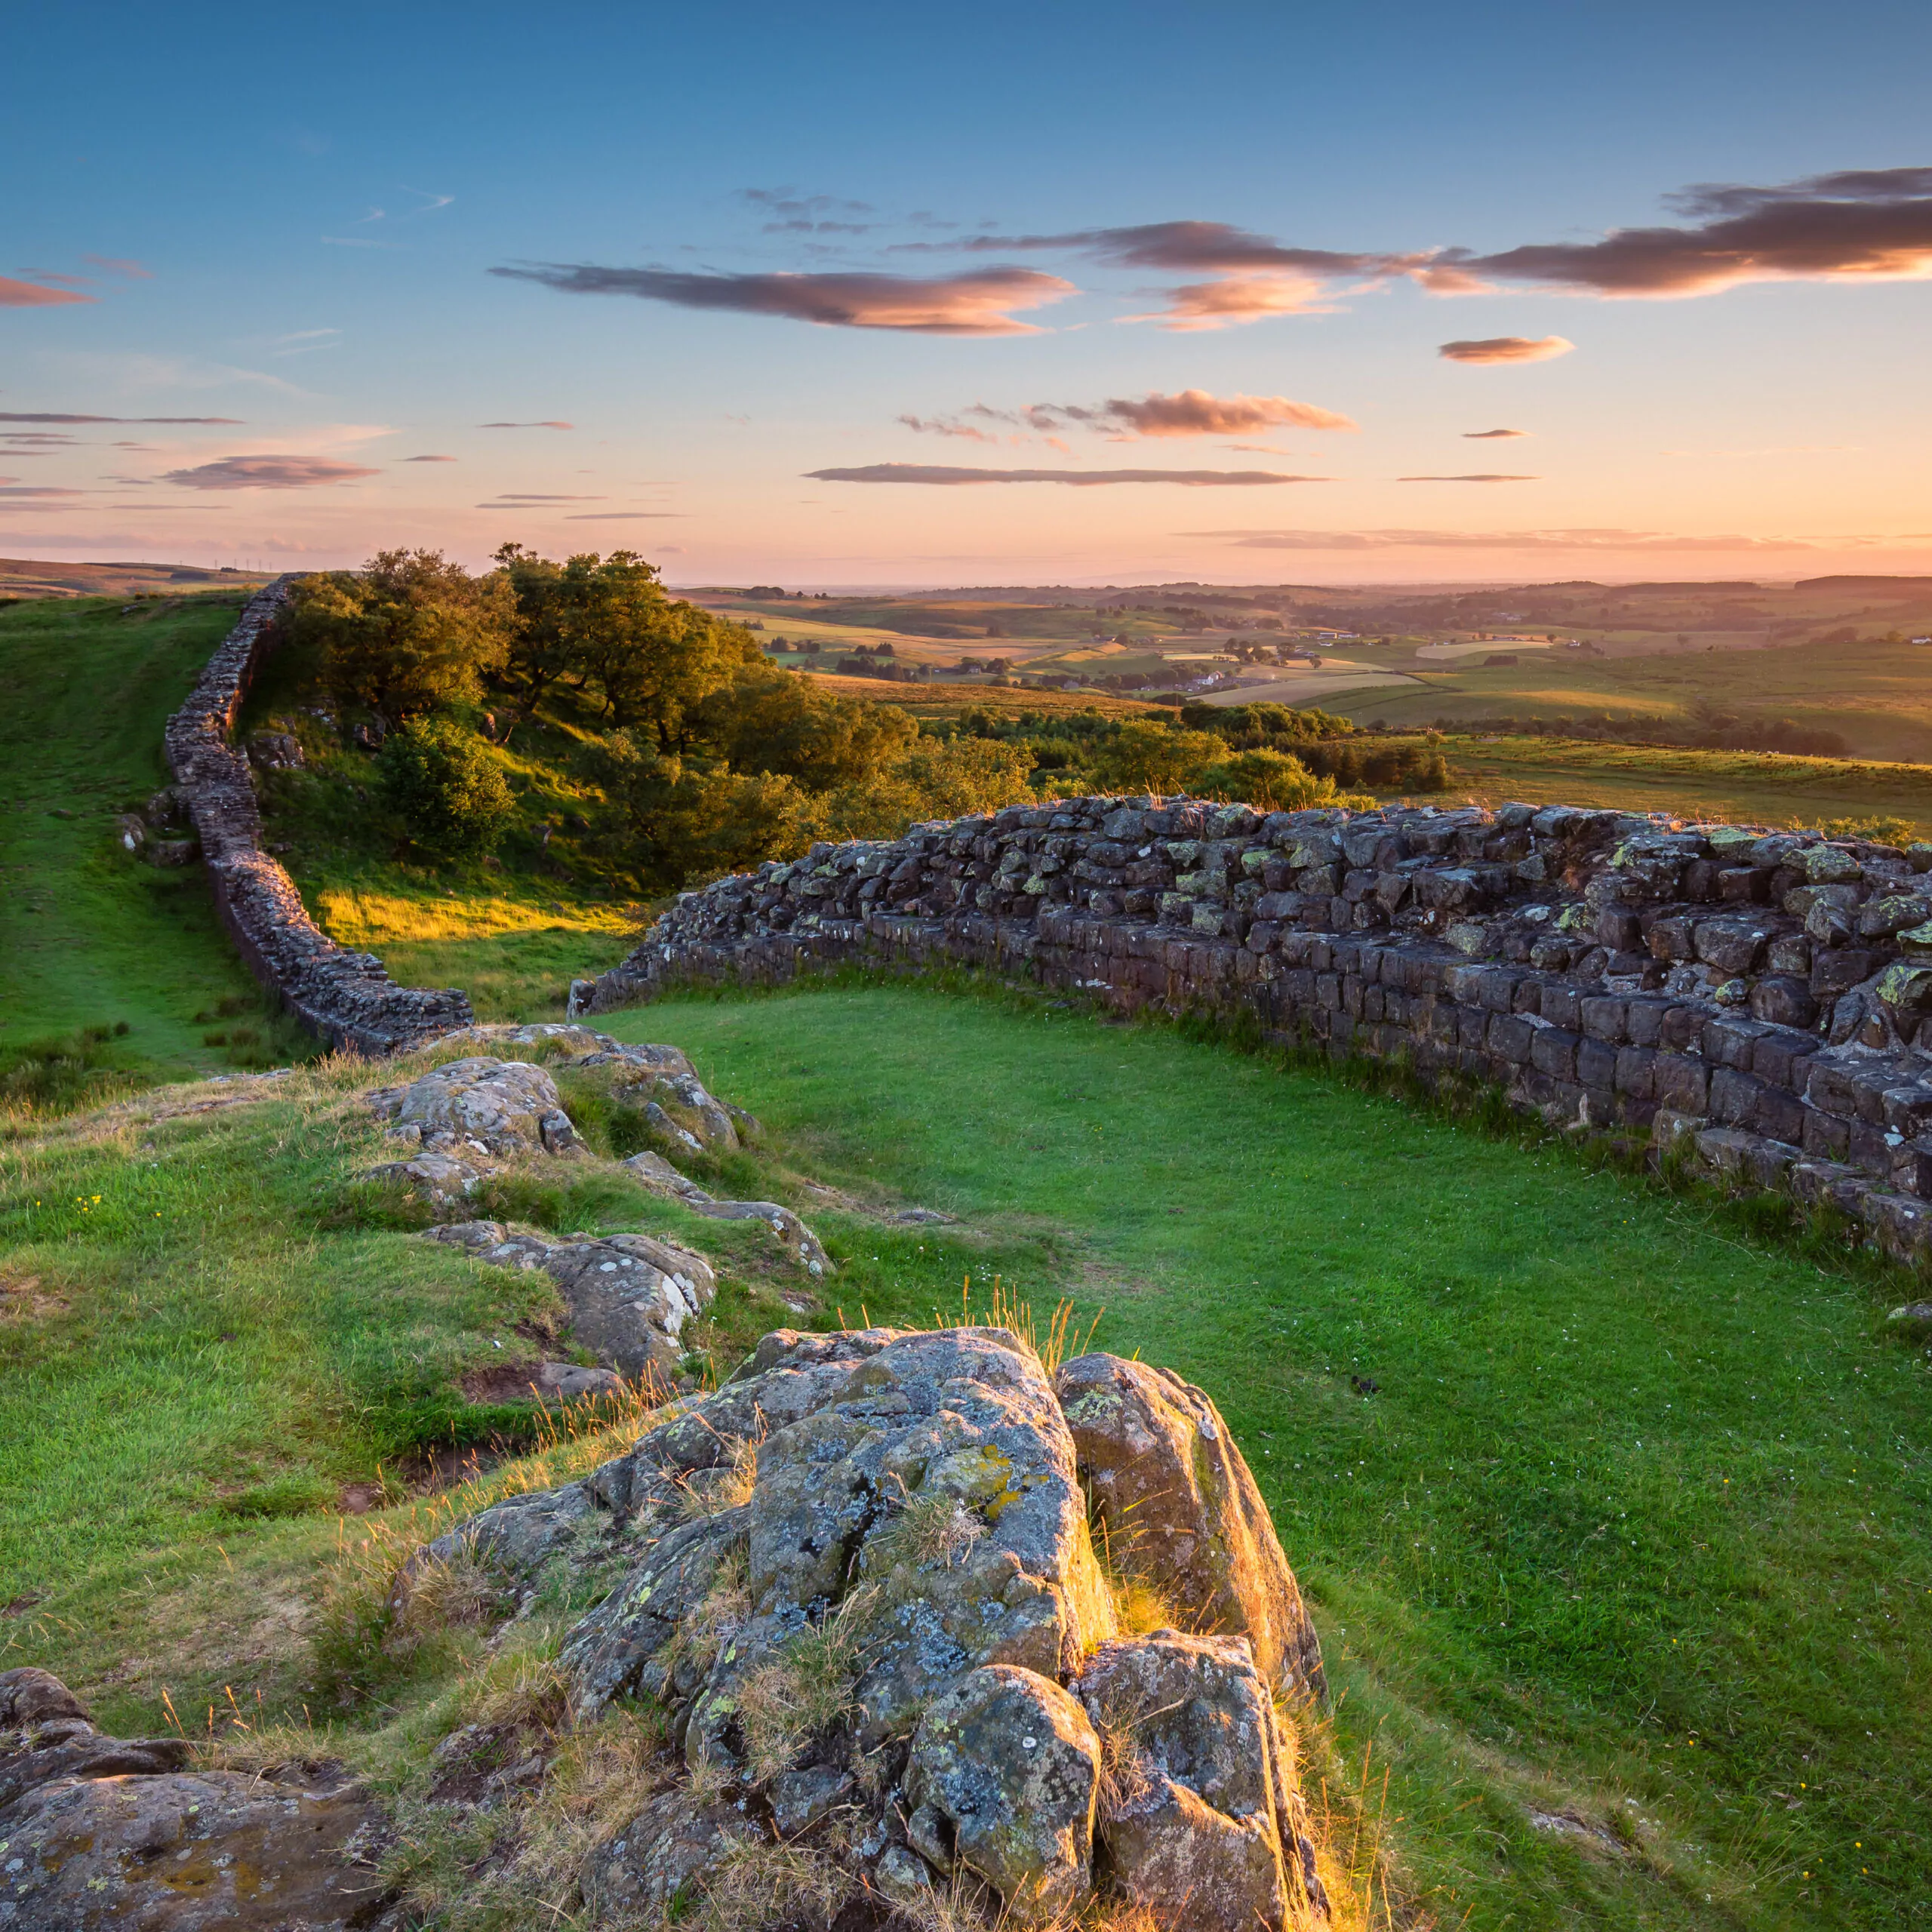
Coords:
869,295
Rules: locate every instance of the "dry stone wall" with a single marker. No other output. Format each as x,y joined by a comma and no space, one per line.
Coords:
346,998
1759,1000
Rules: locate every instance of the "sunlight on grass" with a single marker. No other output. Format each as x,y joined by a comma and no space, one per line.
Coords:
353,917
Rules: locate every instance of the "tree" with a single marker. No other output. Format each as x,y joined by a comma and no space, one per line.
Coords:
654,662
764,720
1142,756
1273,781
674,820
410,632
445,787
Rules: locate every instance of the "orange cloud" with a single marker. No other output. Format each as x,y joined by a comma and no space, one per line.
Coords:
1235,299
36,295
1507,349
1468,479
976,304
939,473
1195,413
267,472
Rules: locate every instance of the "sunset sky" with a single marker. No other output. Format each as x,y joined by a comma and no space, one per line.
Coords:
871,295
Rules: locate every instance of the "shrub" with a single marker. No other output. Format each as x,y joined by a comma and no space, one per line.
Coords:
441,781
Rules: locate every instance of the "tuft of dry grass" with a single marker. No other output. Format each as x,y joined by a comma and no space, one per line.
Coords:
703,1493
699,1638
758,1886
1003,1308
931,1526
804,1688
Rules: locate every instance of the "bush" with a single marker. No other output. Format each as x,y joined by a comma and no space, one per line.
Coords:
442,782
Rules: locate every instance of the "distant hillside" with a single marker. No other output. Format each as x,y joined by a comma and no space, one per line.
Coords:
23,576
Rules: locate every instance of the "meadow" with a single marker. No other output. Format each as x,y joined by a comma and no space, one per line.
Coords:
1609,1499
1608,1502
90,936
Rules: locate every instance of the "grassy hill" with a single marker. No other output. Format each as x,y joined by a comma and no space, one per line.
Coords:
90,937
1630,1544
1609,1502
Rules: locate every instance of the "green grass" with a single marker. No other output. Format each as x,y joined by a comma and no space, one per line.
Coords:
1878,697
89,935
1634,1526
1631,1529
1755,787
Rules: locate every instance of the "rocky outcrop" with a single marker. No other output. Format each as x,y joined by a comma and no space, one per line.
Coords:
1179,1510
1756,1002
346,998
100,1833
468,1118
629,1297
858,1581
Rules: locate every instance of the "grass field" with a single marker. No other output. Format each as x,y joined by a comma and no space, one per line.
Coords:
1878,697
1753,787
89,935
1633,1541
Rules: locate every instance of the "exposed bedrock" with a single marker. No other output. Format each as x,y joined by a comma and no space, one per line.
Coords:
860,1581
1759,1001
100,1833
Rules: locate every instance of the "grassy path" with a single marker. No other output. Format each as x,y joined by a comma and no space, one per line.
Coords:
89,936
1631,1531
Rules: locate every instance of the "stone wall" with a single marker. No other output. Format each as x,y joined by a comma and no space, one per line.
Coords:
1760,1001
346,998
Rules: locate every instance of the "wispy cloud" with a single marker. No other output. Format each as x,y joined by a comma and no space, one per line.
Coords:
794,213
529,499
1129,418
1506,349
935,473
53,416
1479,478
12,490
623,516
1234,299
551,425
1491,435
119,265
1585,540
267,472
978,303
36,295
426,459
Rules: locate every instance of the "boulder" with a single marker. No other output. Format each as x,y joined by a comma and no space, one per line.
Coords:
799,1241
102,1832
857,1577
1181,1511
482,1106
629,1296
673,1843
1195,1813
1003,1774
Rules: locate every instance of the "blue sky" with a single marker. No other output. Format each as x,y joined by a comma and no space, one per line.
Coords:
292,221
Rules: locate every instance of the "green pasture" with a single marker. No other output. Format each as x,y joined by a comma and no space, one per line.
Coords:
1878,697
91,935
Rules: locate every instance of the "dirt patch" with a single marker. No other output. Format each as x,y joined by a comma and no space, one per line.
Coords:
501,1382
27,1298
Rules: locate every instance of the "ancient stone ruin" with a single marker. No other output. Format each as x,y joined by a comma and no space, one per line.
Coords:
346,998
1757,1003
